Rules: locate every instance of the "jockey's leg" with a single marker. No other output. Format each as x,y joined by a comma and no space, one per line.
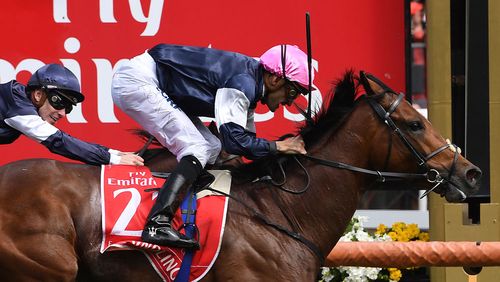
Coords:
214,145
158,229
135,91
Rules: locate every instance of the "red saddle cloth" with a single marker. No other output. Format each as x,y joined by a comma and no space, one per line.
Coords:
125,206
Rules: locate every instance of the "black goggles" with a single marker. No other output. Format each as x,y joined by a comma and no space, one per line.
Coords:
58,101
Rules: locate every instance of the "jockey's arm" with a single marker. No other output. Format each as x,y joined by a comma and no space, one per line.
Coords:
232,118
58,142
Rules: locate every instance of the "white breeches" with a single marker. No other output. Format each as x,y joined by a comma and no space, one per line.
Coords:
135,91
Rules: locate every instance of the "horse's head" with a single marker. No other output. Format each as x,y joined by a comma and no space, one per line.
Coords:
409,143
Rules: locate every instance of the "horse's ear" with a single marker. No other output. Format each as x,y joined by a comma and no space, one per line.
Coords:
366,85
372,85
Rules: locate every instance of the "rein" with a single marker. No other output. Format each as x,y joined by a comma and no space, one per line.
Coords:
141,152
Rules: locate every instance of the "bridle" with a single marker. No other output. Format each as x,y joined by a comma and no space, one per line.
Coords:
431,175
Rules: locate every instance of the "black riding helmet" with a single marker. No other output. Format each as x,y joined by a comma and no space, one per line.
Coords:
59,78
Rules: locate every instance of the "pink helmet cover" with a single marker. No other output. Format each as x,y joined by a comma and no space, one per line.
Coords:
295,67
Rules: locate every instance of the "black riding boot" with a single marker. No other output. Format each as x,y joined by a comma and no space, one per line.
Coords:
158,229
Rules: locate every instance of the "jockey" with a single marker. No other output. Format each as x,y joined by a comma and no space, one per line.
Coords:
51,93
168,87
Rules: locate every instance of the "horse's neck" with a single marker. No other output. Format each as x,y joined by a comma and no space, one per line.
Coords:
324,211
350,142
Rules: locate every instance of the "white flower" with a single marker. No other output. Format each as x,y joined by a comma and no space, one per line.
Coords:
363,236
362,219
348,237
372,272
326,274
382,238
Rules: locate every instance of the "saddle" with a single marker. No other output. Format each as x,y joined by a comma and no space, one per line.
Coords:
167,262
202,182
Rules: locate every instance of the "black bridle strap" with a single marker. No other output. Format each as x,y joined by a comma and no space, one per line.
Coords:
380,174
439,150
281,184
146,145
386,118
394,105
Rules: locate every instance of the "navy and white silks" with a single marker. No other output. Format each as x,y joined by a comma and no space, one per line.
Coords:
168,87
19,116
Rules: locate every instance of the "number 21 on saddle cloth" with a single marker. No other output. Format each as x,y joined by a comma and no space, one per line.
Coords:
125,205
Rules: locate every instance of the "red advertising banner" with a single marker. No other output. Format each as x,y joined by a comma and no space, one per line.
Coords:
92,37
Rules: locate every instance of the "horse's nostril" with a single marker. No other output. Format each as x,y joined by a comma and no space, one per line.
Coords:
473,175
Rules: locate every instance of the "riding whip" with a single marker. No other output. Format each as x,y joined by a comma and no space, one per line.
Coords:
309,65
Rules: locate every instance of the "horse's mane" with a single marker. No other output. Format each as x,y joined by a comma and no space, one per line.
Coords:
339,101
337,104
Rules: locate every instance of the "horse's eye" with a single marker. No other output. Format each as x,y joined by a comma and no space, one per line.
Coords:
415,125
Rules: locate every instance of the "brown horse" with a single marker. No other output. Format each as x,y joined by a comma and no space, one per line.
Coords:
50,216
